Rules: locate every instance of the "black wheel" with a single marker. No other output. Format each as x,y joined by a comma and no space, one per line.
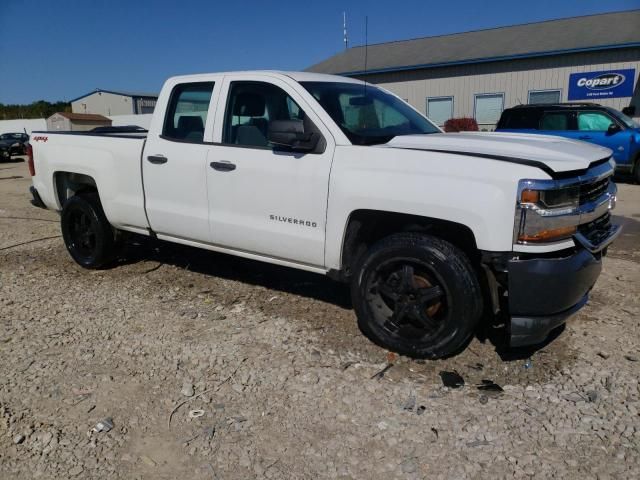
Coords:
636,170
86,231
417,295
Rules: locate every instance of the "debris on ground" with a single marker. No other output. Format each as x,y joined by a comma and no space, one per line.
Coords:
490,386
381,373
410,403
187,389
104,425
592,395
451,379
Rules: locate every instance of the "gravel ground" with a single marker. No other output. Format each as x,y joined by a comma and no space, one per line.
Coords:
286,383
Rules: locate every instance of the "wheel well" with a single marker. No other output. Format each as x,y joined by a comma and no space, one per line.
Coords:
68,184
366,227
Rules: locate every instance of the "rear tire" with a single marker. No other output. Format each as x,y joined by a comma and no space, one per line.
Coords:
88,235
636,170
417,295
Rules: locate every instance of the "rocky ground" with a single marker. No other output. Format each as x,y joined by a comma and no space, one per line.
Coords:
285,383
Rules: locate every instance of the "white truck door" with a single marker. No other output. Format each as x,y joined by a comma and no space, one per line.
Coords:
174,162
264,200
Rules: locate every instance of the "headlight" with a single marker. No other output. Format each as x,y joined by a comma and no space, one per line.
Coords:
546,213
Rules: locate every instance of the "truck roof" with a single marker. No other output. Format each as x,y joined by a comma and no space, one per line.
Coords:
297,76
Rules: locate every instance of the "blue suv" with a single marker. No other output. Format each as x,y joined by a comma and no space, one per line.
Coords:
580,121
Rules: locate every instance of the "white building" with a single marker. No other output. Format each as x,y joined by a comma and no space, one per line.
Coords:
480,73
76,122
108,102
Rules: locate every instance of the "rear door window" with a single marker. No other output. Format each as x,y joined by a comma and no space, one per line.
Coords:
187,112
555,121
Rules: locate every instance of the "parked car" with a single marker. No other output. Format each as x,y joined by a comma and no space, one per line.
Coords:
588,122
13,144
334,176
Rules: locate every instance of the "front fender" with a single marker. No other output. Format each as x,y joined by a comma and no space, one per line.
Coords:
478,193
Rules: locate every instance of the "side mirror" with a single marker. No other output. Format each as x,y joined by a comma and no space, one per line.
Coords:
613,129
629,111
290,134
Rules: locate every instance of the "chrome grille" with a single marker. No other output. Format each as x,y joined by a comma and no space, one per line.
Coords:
590,192
597,230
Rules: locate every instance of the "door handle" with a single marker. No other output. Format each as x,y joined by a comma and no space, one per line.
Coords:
585,137
157,159
223,166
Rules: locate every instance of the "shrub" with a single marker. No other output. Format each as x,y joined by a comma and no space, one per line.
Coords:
461,125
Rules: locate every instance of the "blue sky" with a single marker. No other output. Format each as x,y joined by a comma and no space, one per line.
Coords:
61,49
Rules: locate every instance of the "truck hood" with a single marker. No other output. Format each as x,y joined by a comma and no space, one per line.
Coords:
551,154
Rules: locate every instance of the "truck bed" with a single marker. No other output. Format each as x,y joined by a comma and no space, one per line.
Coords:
111,158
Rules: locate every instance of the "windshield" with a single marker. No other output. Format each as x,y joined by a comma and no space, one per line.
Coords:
366,114
629,122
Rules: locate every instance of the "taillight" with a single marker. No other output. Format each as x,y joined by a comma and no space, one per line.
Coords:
32,167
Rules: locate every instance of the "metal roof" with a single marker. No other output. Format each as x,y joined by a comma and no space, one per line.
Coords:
552,37
123,93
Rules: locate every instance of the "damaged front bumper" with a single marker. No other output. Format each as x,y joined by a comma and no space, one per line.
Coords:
542,292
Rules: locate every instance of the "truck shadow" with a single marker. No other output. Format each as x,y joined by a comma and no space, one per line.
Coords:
290,281
229,267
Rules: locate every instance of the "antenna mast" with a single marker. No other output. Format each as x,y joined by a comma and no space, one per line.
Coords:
344,28
366,48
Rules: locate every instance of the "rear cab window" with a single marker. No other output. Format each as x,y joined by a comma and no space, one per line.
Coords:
187,111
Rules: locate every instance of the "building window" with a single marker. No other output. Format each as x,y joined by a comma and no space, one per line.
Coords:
439,109
544,96
488,107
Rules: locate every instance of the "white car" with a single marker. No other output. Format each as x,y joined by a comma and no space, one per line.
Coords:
338,177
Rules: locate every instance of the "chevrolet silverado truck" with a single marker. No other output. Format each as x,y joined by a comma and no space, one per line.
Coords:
432,231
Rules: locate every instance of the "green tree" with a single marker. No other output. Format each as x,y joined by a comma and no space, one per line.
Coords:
39,109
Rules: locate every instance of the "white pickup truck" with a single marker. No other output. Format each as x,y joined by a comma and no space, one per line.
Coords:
328,174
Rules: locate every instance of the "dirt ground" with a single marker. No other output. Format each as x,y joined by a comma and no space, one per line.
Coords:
285,381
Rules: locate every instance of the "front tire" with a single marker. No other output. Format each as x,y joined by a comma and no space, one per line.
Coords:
88,235
417,295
